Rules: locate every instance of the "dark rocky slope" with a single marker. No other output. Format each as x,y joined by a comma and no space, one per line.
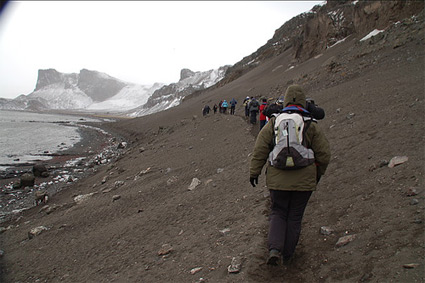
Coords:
140,206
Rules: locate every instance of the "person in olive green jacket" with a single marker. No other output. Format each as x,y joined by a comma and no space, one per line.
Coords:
290,190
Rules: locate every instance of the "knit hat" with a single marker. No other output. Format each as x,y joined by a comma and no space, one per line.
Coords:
295,95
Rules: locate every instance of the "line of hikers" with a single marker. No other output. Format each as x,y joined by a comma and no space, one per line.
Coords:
223,105
265,107
253,107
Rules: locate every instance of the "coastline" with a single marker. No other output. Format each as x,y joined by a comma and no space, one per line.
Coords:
96,147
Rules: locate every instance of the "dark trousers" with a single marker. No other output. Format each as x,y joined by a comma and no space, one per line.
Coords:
287,210
253,117
262,123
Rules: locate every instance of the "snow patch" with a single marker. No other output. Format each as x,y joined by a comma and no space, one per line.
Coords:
338,42
372,33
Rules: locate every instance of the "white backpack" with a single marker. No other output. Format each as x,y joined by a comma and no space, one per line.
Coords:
290,151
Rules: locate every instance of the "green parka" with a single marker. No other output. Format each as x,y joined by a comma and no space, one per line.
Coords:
304,179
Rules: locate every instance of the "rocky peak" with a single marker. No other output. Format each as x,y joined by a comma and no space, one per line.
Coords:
186,73
47,77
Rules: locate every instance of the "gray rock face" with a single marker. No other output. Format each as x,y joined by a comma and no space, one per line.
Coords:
48,77
98,86
186,73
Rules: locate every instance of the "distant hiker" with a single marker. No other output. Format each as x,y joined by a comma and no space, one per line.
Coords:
224,105
233,103
206,110
253,106
215,108
290,190
246,102
263,118
220,106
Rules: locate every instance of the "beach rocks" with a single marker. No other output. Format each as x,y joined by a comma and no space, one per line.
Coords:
40,197
40,170
27,180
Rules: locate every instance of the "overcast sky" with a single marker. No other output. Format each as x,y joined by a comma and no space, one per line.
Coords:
141,42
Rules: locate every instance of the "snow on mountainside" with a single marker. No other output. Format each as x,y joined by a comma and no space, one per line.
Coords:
128,98
96,91
58,96
172,95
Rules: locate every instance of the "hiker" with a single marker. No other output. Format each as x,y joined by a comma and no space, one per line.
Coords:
215,108
263,117
206,110
224,105
290,190
246,102
253,110
233,103
220,106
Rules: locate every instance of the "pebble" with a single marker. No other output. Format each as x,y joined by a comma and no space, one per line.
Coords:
411,192
397,160
324,230
235,265
345,240
165,249
410,265
194,184
195,270
36,231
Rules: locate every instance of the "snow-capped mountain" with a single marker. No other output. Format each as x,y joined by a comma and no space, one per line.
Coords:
172,95
99,92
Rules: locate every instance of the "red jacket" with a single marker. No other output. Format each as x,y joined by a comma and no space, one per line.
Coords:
262,116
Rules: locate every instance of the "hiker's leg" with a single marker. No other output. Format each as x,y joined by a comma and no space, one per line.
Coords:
278,219
297,205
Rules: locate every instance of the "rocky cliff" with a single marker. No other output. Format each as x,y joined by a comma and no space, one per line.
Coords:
311,33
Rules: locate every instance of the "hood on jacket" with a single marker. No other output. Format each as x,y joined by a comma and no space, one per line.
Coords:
294,95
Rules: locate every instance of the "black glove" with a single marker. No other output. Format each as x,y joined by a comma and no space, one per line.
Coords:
253,180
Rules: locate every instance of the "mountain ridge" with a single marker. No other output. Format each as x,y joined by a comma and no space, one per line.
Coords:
96,91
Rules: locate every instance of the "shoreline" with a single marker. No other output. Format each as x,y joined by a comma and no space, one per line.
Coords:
96,147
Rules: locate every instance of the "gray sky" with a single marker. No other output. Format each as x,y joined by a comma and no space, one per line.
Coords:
136,41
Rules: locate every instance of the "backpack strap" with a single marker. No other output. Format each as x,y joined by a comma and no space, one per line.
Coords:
273,121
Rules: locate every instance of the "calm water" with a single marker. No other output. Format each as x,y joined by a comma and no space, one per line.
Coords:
27,137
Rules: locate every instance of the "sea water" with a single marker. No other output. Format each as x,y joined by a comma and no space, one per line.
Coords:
26,137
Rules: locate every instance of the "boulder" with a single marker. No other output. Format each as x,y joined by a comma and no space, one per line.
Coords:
27,180
39,170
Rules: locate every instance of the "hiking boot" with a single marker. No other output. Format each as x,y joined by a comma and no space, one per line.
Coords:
274,256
